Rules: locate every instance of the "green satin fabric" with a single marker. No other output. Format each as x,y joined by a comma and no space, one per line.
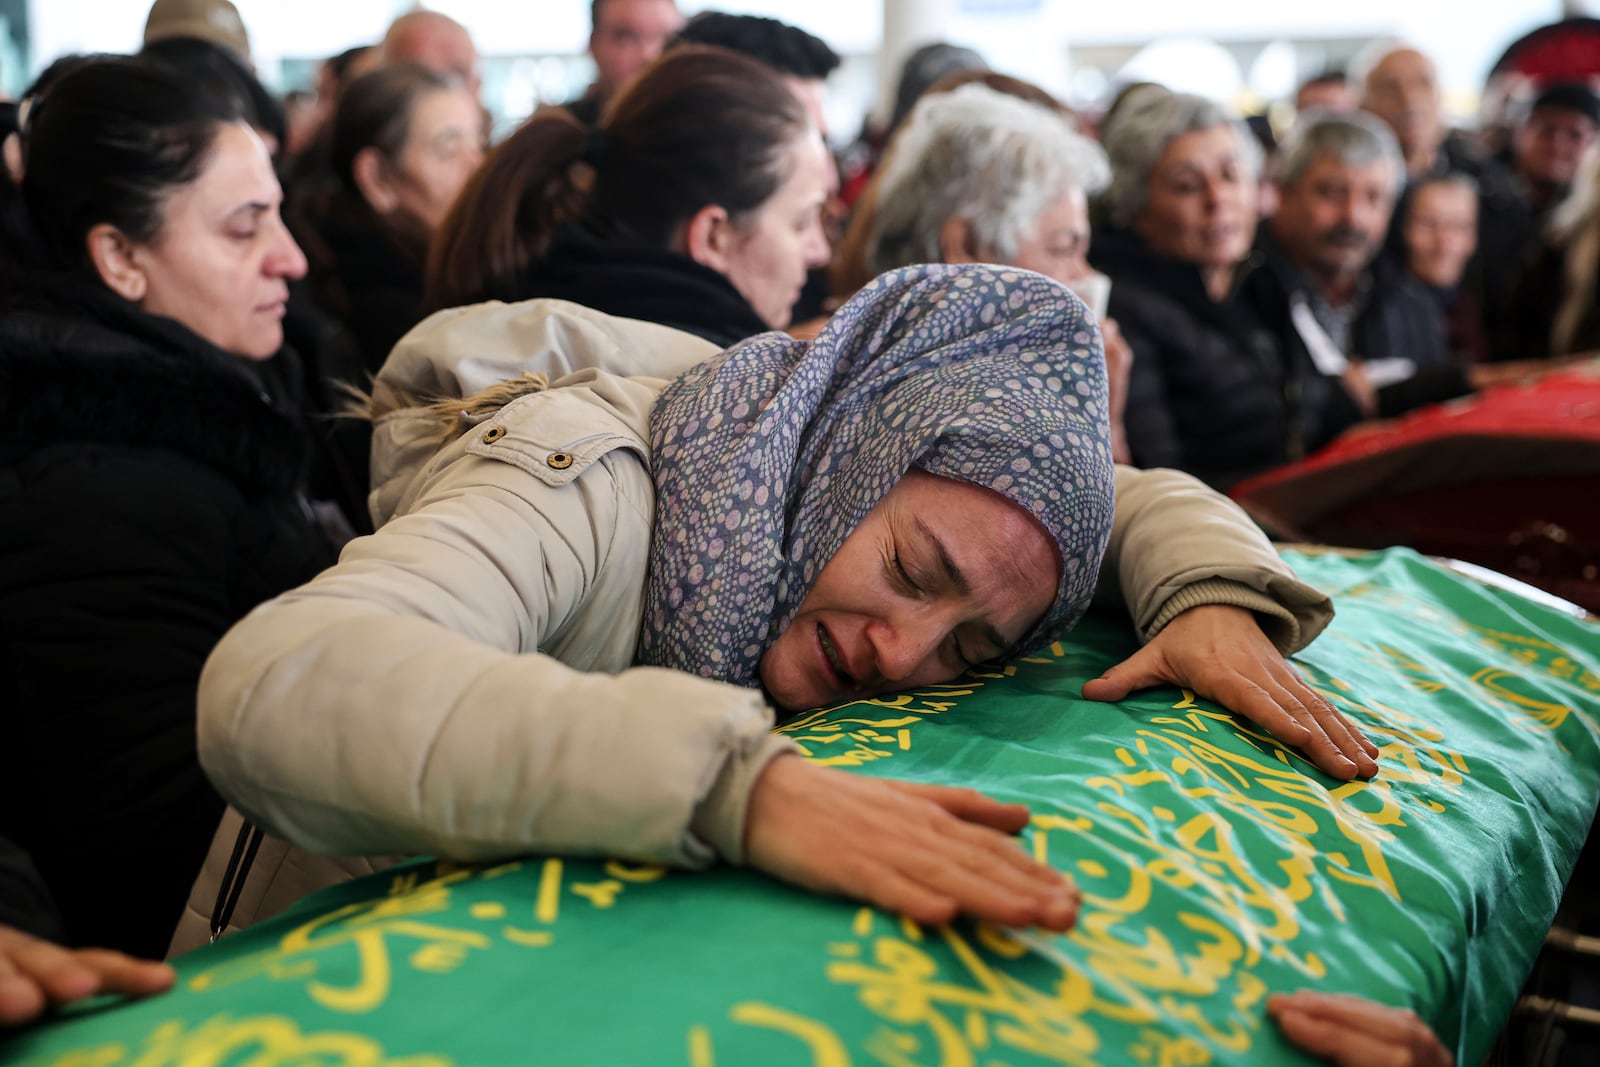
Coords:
1216,867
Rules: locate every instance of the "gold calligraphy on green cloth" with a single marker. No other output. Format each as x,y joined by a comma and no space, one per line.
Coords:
1216,867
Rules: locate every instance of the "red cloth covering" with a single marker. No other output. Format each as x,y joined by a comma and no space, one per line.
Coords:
1509,479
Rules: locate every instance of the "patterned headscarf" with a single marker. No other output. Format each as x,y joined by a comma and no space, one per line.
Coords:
767,456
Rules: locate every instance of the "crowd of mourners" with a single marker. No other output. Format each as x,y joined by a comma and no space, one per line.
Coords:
672,422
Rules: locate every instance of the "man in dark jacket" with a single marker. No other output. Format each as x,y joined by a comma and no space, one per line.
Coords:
1322,284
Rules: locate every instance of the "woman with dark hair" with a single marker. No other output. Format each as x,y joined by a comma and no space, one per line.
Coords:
151,487
210,68
696,204
404,141
319,358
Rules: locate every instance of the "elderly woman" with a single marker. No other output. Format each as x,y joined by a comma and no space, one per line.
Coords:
982,176
152,490
696,203
574,629
1215,390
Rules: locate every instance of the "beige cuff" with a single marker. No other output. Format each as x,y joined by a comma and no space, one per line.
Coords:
719,817
1277,621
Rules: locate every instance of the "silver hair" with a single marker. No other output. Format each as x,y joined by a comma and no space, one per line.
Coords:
1143,130
1354,138
990,158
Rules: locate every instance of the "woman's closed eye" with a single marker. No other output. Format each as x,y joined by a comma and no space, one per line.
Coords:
902,577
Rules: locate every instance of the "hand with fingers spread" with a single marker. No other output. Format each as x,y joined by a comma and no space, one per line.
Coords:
1221,654
1353,1032
925,851
35,974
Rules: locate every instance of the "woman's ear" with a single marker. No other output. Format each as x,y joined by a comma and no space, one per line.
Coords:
709,238
958,243
371,173
116,260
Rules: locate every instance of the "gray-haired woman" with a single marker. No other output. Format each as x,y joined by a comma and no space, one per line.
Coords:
1215,391
977,175
572,630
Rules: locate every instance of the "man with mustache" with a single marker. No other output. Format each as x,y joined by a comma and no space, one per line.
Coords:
1322,282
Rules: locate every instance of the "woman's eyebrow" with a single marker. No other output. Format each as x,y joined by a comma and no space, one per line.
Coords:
952,573
958,580
253,207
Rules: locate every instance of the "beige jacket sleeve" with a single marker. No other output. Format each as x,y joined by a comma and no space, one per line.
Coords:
398,702
1177,544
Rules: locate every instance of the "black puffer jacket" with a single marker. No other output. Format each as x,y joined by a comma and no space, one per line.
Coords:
1213,390
149,497
1400,321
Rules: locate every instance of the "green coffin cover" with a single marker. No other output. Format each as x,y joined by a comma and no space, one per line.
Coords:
1216,867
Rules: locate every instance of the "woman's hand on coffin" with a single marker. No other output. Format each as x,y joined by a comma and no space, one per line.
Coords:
35,974
1221,654
1353,1032
928,852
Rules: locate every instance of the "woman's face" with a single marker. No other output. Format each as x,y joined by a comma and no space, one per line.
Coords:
1202,200
443,147
1058,244
783,239
222,260
940,576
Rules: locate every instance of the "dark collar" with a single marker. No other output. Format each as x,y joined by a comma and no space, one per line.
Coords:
79,364
639,282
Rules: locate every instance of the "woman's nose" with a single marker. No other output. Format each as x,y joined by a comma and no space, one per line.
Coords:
902,647
287,261
817,252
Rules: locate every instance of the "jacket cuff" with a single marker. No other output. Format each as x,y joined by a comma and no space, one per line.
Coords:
1277,621
719,817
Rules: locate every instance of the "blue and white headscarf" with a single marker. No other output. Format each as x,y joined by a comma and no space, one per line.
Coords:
767,456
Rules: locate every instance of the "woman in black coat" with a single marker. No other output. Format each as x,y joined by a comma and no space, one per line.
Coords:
151,485
696,204
1214,390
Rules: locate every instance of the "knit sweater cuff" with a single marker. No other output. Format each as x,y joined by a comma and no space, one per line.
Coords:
1277,621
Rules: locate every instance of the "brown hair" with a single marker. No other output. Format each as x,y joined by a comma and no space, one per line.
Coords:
375,111
699,126
850,270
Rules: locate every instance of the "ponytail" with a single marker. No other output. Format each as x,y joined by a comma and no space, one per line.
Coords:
699,126
508,212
